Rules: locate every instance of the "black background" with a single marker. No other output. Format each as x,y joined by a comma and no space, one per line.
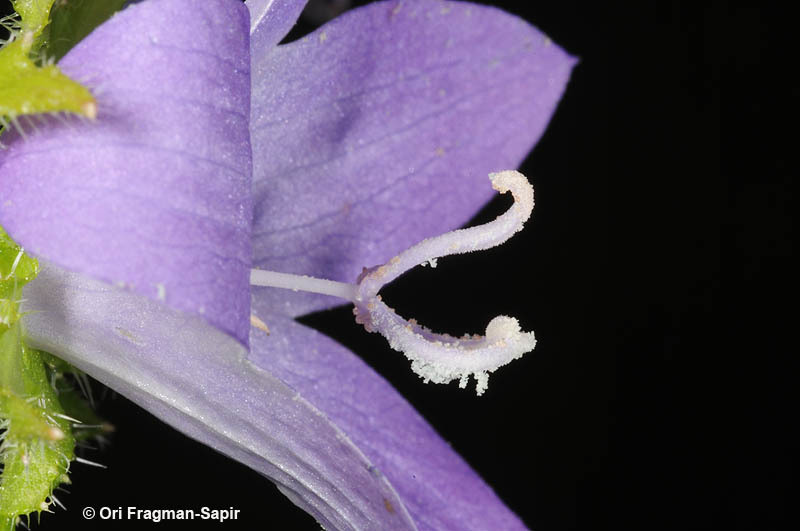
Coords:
654,273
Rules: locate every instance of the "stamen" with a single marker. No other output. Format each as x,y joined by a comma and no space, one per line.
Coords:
440,358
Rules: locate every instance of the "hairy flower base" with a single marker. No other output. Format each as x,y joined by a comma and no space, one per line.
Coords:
437,358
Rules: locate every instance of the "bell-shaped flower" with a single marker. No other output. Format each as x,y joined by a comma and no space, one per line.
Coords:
216,151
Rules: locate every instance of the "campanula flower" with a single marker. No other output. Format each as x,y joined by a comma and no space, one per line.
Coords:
215,151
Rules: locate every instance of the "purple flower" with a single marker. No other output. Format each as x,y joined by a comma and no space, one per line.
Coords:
216,151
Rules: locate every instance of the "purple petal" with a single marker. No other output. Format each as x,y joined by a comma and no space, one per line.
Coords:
380,129
437,487
198,380
270,21
154,195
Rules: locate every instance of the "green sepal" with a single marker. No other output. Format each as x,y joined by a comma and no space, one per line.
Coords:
26,88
